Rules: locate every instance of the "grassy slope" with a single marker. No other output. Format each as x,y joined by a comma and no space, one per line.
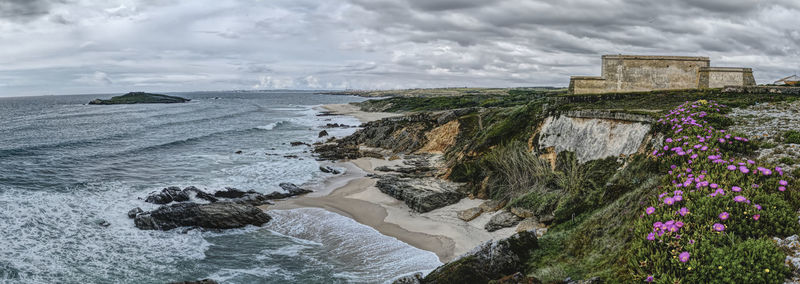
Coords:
594,242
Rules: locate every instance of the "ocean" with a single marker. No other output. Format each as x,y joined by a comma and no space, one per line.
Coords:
66,167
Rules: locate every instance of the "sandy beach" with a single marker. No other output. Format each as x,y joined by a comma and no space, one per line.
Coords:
354,111
354,195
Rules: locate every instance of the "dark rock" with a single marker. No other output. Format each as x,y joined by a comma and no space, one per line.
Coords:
220,215
415,278
135,211
336,125
329,170
501,220
140,98
290,156
167,195
298,143
249,197
337,151
492,205
323,133
230,192
204,281
102,223
327,113
490,260
238,152
293,188
420,194
201,194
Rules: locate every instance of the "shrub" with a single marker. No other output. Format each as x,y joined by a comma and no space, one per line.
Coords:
516,170
792,137
786,161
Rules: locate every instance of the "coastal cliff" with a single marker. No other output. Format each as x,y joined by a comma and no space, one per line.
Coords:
572,170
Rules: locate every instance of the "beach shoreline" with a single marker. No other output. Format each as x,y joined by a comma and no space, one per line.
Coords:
353,194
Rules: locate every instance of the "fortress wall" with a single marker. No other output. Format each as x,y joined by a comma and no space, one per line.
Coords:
633,73
587,85
718,77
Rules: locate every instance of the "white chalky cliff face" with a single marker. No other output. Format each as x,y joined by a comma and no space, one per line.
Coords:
592,138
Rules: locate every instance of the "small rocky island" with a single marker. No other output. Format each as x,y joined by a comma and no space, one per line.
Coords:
140,98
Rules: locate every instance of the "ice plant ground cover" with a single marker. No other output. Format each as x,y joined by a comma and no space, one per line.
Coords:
715,211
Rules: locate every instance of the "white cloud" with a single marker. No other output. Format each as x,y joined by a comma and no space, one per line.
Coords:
59,45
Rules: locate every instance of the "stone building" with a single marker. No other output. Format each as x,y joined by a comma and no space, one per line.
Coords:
638,73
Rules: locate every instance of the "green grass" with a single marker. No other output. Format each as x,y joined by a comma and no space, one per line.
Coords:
792,137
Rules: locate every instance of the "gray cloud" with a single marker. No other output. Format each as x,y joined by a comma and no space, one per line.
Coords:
80,46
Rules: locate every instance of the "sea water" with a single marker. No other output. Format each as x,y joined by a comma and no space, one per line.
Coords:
66,167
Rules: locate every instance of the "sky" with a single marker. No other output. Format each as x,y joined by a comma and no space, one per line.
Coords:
115,46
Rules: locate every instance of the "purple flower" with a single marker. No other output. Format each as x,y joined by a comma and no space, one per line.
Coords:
724,216
736,188
782,188
739,198
650,210
657,225
678,198
669,201
755,217
684,256
783,182
731,167
714,186
679,224
651,236
649,279
683,211
669,140
744,169
757,206
718,227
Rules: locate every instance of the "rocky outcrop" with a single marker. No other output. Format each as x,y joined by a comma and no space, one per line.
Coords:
489,261
167,195
502,219
592,138
140,98
470,214
220,215
420,194
323,133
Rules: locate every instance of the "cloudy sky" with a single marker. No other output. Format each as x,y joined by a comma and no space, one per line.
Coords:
92,46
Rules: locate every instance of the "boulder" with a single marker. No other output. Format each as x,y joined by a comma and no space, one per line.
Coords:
522,212
201,194
298,143
491,260
503,219
329,170
420,194
219,215
528,224
470,214
249,197
135,211
492,205
167,195
293,189
323,133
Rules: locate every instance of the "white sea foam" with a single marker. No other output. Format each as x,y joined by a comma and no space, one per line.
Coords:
370,257
54,237
272,125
